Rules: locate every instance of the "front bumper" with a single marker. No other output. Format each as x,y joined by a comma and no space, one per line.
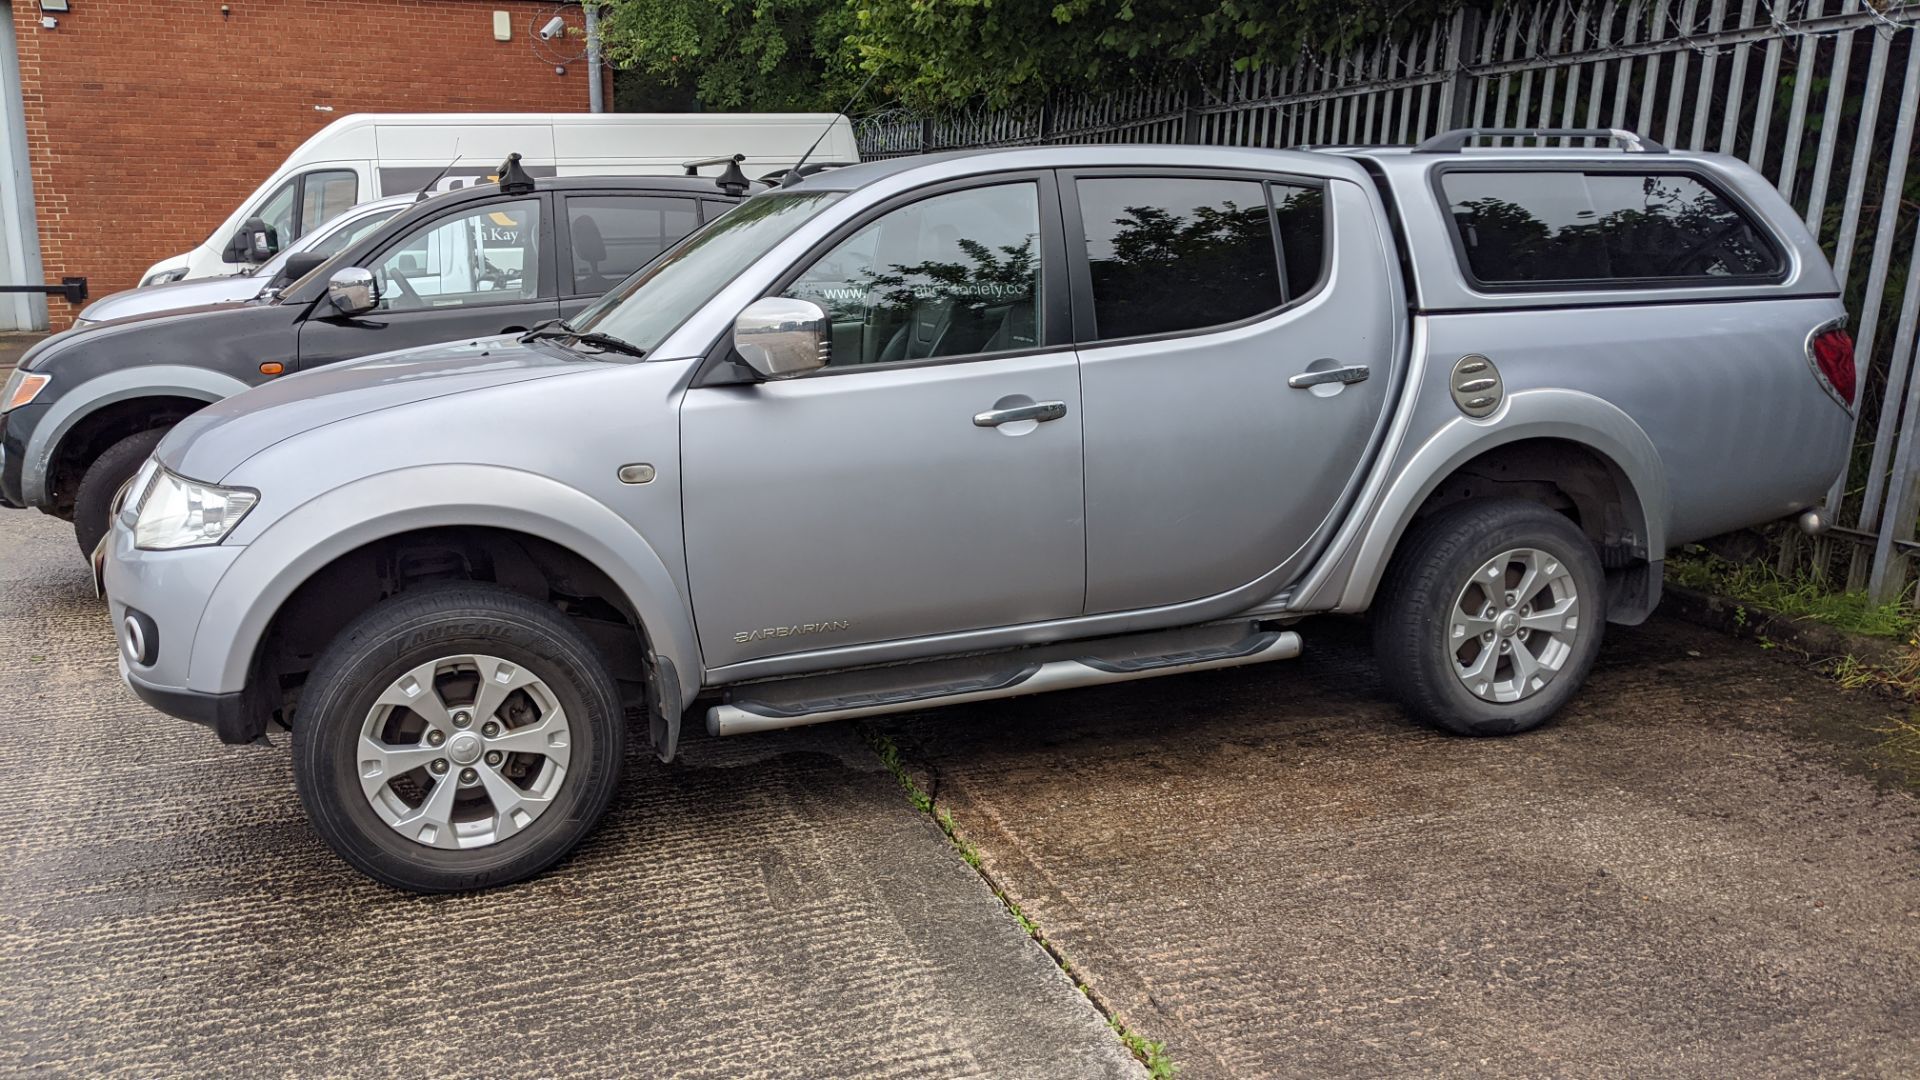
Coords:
171,589
226,714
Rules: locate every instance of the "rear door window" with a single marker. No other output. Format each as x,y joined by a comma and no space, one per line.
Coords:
1173,254
614,235
1602,227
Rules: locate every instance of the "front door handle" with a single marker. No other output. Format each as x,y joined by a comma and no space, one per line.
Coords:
1346,376
1039,410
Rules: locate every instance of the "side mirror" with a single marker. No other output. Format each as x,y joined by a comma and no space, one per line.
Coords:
780,337
353,291
256,242
298,265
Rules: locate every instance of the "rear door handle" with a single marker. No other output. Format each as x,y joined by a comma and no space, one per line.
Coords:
1348,375
1039,410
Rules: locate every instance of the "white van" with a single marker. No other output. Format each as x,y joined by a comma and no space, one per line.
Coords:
365,156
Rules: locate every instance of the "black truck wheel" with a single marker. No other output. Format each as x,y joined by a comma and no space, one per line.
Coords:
459,737
94,498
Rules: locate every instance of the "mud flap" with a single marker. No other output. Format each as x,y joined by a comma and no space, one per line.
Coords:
663,706
1633,591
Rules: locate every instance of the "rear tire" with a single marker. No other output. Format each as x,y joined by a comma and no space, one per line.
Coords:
458,737
93,500
1490,617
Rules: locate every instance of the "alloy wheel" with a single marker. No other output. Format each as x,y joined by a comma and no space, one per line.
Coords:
463,752
1512,625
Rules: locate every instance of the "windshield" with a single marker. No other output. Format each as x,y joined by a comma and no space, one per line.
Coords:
651,304
328,243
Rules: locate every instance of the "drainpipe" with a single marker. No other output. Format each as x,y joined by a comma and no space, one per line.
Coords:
596,98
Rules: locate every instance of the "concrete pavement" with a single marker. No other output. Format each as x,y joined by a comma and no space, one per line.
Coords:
1692,873
770,907
14,344
1688,875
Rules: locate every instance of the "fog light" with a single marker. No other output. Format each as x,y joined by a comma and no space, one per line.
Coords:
140,638
1813,522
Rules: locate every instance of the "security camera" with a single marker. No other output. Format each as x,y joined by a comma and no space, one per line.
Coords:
554,28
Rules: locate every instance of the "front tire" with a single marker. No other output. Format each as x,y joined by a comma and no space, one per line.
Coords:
93,499
459,737
1490,617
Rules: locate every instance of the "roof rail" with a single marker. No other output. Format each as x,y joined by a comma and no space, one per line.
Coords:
1452,142
731,180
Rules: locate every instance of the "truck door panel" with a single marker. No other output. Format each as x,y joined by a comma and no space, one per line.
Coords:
1206,467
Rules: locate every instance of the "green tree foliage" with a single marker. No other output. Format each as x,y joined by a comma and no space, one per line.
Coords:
928,54
760,55
932,53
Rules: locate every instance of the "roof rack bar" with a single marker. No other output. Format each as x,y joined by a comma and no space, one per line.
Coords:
693,167
731,180
1452,142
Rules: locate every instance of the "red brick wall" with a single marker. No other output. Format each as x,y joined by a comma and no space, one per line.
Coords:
149,120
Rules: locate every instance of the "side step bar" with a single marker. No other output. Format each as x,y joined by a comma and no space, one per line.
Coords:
739,718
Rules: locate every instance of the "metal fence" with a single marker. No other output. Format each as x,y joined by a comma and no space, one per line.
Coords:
1822,97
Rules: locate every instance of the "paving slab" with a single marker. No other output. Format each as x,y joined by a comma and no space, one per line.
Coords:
771,907
1690,874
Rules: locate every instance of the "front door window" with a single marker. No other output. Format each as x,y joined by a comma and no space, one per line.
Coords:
951,275
483,256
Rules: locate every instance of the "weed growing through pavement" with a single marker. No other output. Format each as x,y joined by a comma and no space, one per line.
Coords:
1151,1053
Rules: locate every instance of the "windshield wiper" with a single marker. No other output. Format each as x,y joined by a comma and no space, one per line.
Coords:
548,328
556,328
609,343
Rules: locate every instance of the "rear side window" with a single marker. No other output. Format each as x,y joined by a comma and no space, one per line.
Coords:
614,235
1172,254
1605,227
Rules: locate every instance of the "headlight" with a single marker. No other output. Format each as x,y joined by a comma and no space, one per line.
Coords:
172,273
174,512
22,387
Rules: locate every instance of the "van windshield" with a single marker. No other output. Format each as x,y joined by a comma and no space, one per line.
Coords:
651,304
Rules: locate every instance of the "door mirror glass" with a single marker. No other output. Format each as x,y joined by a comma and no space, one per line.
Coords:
353,291
780,337
256,242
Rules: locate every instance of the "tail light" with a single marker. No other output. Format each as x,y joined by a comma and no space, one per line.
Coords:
1831,351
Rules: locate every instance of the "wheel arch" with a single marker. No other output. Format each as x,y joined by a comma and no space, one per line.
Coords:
485,504
108,399
1574,425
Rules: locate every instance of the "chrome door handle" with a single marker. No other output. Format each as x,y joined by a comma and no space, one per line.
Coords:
1348,375
1039,410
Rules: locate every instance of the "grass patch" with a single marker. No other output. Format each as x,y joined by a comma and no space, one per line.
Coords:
1796,598
1148,1052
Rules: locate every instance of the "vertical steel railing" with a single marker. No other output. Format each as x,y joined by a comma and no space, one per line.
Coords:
1820,95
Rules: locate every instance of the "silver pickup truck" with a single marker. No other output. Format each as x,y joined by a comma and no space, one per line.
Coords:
968,426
